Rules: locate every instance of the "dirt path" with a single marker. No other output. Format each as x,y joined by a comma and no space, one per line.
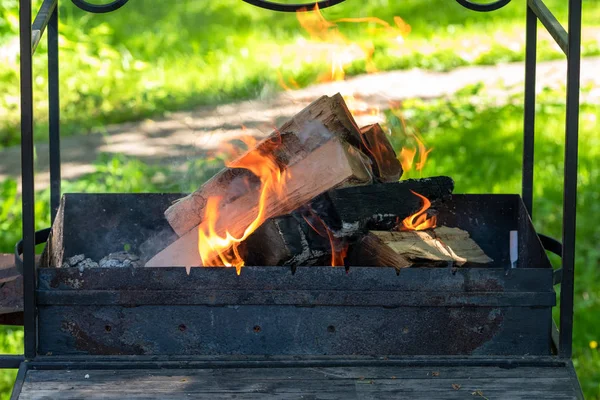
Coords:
186,135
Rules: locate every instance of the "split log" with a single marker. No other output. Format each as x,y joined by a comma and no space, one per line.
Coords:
371,251
386,166
331,165
439,244
318,123
290,240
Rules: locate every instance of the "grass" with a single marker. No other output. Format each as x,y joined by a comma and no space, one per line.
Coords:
474,140
172,55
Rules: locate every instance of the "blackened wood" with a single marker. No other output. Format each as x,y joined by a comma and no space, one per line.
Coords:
347,213
371,251
380,205
386,166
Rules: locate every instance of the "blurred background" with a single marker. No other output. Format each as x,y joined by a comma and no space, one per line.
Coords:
150,93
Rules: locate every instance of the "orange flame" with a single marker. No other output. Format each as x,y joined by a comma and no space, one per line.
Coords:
339,247
327,44
420,220
222,250
407,156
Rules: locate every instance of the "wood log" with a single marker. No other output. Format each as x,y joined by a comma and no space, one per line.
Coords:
331,165
371,251
290,240
386,166
286,240
377,207
439,244
325,118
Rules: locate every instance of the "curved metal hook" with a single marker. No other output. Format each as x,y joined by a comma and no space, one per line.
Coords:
99,8
269,5
494,5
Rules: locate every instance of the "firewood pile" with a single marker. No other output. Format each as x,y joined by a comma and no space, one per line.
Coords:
317,191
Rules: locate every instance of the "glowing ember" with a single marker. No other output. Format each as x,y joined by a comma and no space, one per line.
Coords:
222,250
420,220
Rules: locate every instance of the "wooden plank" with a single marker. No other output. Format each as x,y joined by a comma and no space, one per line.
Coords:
293,383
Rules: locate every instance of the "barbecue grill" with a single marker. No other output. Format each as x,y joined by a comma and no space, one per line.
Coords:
317,332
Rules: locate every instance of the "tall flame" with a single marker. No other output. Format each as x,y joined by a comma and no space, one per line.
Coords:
327,44
420,220
217,249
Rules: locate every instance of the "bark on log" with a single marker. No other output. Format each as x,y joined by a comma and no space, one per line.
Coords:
386,166
323,119
331,165
439,244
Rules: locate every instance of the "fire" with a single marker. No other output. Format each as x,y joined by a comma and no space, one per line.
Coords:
339,247
407,156
215,248
329,45
419,221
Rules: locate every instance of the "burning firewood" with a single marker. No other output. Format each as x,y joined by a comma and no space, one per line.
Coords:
439,244
321,148
307,131
306,236
333,164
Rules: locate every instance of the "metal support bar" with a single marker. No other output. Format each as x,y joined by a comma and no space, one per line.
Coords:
54,113
570,183
16,392
554,27
28,192
529,111
41,21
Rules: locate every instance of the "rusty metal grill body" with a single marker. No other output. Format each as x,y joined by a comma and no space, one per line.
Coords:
504,314
274,311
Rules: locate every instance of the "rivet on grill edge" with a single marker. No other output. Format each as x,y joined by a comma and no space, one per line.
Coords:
107,328
331,329
182,327
256,328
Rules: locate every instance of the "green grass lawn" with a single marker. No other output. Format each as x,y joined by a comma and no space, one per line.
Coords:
172,55
476,142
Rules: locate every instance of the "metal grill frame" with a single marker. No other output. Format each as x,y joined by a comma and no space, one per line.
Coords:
47,19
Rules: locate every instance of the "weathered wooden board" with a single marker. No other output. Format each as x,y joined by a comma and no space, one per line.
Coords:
448,382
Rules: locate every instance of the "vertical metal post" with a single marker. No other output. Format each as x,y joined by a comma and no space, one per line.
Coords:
54,112
570,183
27,174
529,110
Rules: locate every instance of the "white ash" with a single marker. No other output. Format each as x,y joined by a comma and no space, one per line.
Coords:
120,259
79,261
